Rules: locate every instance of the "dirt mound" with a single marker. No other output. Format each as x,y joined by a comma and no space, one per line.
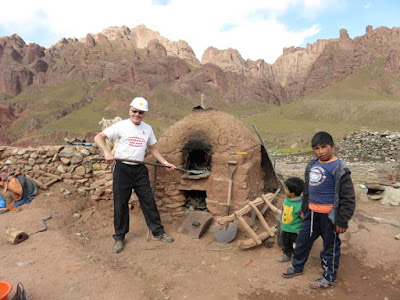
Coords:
73,258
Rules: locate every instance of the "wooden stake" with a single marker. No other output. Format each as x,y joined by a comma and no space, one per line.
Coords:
48,174
51,182
262,220
271,206
246,244
250,231
37,182
244,210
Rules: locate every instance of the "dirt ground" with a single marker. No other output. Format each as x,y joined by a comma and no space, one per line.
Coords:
73,258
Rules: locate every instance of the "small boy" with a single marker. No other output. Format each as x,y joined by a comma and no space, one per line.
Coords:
291,220
328,205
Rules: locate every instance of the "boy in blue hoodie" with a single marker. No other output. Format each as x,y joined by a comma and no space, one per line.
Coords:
328,205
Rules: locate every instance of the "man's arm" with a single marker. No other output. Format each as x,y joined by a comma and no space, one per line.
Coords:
100,140
157,155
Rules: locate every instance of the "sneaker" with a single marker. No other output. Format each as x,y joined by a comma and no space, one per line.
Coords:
119,246
283,258
163,238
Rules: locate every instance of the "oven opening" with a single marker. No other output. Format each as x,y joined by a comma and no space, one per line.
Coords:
198,160
196,155
195,200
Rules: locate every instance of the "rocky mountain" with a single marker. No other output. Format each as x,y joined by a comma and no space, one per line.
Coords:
139,57
302,71
141,61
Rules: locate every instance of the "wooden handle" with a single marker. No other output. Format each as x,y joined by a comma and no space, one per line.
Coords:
145,163
228,203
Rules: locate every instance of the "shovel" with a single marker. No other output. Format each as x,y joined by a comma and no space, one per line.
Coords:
194,172
227,233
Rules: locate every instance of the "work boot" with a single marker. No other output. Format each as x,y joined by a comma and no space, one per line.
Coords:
283,258
163,238
119,246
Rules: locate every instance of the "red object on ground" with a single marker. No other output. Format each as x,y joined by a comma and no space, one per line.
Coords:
5,289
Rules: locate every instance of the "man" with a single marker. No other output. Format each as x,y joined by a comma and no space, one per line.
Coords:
133,137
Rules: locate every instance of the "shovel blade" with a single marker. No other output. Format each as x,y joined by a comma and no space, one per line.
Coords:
196,172
227,233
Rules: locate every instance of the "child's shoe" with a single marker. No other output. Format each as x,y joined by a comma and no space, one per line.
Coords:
283,258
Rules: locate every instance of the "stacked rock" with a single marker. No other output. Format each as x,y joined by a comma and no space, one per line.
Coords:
70,164
376,145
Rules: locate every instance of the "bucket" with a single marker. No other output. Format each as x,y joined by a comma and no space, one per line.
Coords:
5,289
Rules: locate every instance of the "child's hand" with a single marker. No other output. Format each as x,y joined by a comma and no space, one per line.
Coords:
340,229
302,215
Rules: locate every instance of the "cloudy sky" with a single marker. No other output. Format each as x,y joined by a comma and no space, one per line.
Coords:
258,29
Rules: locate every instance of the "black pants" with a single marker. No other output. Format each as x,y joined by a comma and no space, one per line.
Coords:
126,178
311,228
288,238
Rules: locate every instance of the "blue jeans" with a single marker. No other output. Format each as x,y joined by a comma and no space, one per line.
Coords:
330,255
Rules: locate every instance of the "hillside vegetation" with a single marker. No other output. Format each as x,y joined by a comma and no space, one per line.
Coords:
358,102
354,103
338,85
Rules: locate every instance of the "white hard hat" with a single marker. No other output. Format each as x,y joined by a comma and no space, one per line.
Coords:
140,103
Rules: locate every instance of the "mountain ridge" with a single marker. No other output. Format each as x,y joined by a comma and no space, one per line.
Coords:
118,63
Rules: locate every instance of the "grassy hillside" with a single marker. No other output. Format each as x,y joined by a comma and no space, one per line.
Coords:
366,100
76,107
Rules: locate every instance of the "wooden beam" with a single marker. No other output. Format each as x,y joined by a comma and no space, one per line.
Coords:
262,220
249,230
271,206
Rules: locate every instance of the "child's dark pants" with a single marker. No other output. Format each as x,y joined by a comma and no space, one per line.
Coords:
126,178
288,238
330,254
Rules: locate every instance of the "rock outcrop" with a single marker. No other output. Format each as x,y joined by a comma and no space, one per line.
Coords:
19,63
142,60
119,54
302,71
138,59
140,37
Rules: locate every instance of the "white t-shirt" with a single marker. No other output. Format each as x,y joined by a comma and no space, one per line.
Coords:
132,140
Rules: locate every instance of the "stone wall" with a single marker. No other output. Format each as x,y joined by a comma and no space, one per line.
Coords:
74,165
366,144
70,164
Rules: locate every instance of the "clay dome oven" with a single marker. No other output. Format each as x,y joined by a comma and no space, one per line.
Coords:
206,140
